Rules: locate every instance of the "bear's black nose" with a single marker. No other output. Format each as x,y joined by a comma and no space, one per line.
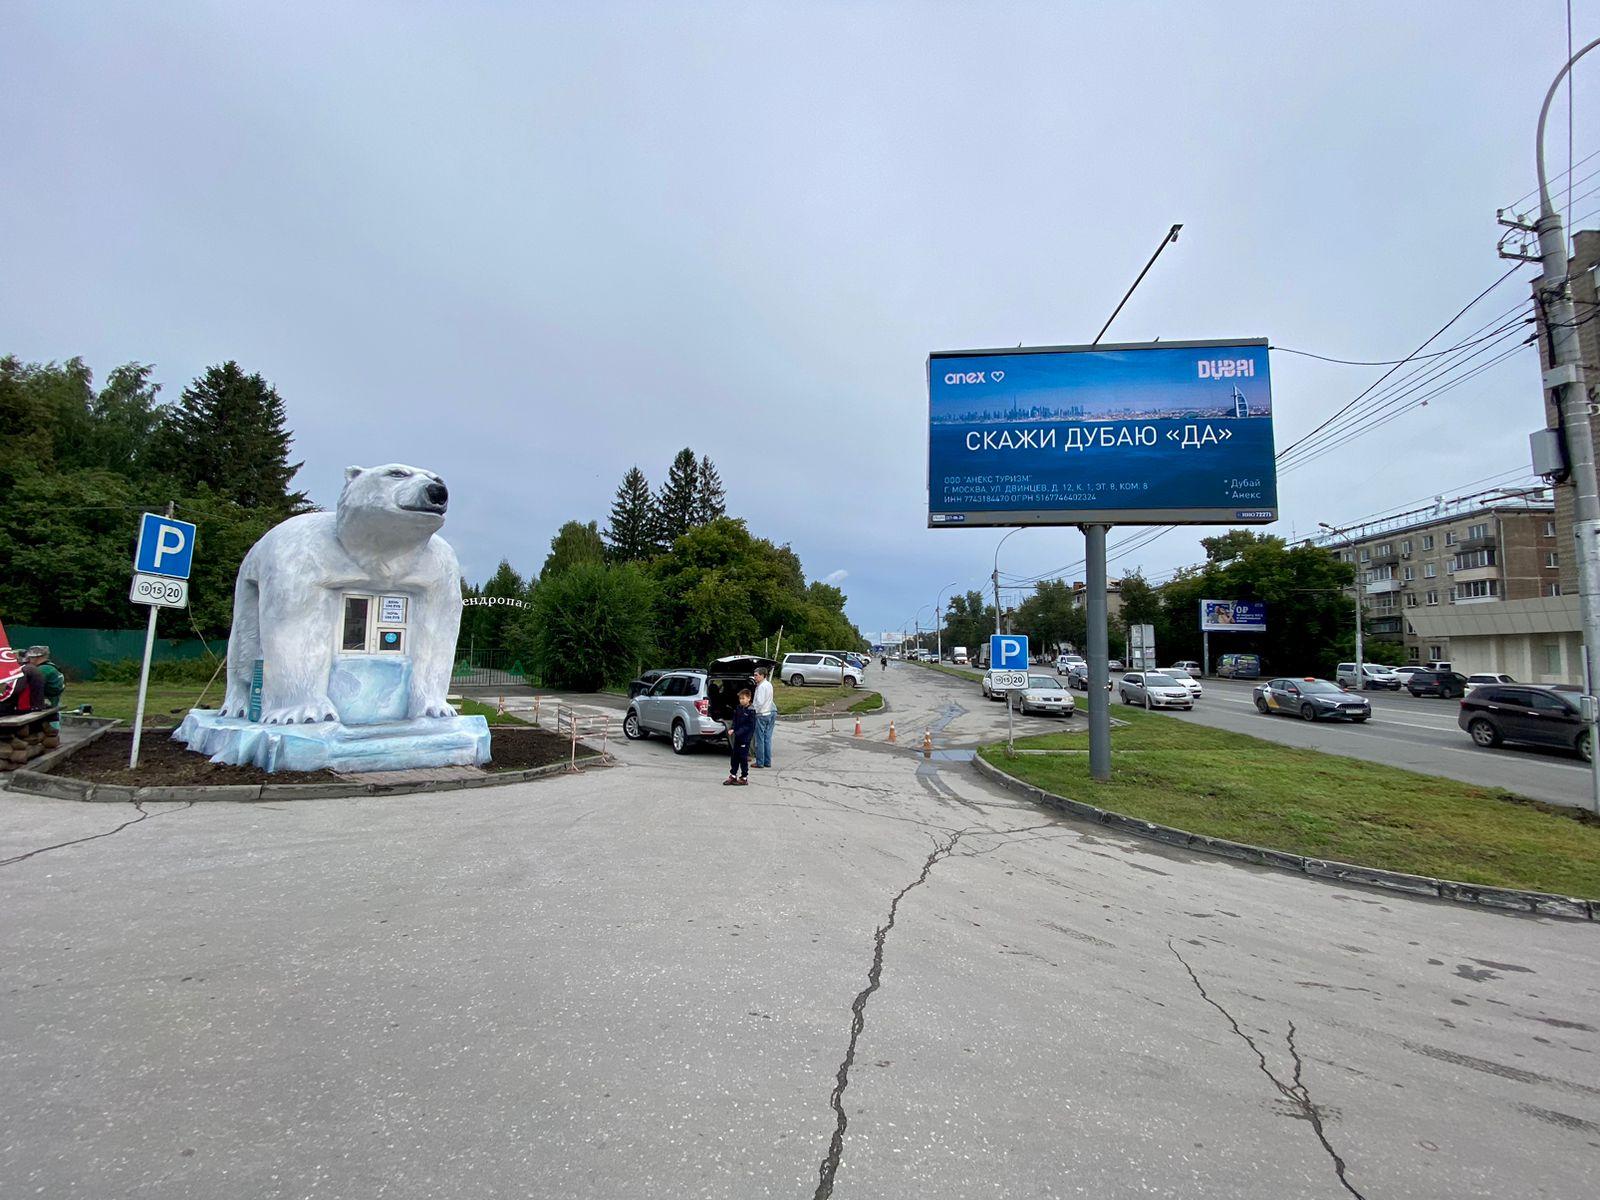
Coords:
437,493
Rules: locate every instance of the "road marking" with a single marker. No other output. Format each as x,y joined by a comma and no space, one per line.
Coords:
1386,720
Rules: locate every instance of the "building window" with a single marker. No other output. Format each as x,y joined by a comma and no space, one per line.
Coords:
1468,559
1430,571
1427,541
1552,658
1549,529
1405,546
1552,589
1413,654
1410,574
1552,559
1379,573
1478,589
1433,598
355,623
1452,595
1436,653
1385,549
1477,531
1411,599
1366,554
1450,537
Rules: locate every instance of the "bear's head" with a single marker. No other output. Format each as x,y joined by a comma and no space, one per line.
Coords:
385,508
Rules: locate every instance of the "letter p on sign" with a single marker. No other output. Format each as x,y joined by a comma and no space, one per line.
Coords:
1008,652
166,547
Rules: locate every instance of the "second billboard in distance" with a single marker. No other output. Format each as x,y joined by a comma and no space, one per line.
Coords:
1158,433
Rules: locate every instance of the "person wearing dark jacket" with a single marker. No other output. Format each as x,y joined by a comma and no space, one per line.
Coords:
744,729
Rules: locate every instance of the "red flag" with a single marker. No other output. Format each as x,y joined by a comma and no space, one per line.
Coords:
10,668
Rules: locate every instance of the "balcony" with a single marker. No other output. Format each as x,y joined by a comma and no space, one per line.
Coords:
1379,587
1476,599
1473,574
1487,542
1383,560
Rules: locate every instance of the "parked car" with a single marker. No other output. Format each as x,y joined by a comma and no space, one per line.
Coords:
1311,700
985,685
692,707
1373,676
1114,664
1437,683
853,657
1065,662
802,670
1188,665
1155,689
1188,680
1439,666
1406,672
1483,677
1494,713
1045,694
648,679
1239,666
1078,676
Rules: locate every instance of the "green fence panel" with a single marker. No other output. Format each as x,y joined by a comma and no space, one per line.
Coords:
76,650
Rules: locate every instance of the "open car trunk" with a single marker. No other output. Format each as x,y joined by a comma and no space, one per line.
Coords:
727,676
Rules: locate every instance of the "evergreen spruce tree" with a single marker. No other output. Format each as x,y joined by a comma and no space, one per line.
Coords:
675,506
229,431
632,535
710,497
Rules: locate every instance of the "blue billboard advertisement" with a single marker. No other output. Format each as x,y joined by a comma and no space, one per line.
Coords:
1154,433
1233,616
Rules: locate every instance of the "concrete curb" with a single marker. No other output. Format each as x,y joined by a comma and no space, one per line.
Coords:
59,787
827,711
1541,904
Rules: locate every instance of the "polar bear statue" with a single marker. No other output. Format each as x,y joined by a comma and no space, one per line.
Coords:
287,604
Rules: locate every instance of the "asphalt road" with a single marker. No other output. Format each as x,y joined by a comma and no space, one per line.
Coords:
865,975
1418,733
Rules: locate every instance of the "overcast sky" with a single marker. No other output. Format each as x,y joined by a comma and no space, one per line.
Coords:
530,246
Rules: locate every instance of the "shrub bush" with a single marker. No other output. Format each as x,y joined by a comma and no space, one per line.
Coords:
165,670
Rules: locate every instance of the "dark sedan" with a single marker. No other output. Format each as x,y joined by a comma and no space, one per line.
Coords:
1311,700
1437,683
648,680
1537,716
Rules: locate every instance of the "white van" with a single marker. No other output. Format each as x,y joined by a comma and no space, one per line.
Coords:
1373,675
960,658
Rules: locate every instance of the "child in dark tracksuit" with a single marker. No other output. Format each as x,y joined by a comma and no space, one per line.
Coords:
744,729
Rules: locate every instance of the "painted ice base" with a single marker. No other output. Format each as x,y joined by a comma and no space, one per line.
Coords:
329,745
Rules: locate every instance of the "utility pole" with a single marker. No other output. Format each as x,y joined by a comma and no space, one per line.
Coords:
1565,379
1355,562
996,578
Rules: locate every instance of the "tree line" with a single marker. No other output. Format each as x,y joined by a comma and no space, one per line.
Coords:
671,581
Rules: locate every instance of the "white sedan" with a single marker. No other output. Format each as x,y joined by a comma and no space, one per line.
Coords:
1188,680
1045,694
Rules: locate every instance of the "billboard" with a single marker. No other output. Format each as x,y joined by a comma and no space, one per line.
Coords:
1233,616
1152,433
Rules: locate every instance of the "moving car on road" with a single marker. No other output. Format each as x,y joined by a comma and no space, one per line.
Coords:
1373,675
1437,683
1186,664
692,707
1114,664
1495,713
1154,689
799,670
1185,678
1483,677
1311,700
1045,694
1407,671
1065,663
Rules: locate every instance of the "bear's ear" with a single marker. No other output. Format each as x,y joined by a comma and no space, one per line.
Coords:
351,472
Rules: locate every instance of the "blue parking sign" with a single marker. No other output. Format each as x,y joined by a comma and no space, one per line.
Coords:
1008,651
166,547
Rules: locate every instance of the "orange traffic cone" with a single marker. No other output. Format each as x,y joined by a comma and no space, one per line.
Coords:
891,733
858,725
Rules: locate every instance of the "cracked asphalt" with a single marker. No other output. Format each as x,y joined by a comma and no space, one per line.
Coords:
865,975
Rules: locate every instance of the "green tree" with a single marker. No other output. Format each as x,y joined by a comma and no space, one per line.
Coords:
710,497
632,533
675,505
589,625
574,543
487,626
229,431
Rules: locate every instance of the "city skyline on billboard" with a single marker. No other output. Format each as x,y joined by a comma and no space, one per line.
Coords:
1135,434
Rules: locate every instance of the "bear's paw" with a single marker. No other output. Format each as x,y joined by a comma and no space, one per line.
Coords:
432,708
301,714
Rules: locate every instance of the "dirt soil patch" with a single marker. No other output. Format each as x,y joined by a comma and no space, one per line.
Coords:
166,763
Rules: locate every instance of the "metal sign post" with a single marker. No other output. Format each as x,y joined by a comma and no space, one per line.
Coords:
1094,537
161,566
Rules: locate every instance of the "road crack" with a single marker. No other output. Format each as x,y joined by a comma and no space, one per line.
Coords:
858,1022
143,816
1296,1092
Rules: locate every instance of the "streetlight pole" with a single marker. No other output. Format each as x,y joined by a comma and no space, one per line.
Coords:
1565,378
938,617
1350,541
995,577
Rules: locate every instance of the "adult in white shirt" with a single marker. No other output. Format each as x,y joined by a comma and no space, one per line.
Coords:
766,719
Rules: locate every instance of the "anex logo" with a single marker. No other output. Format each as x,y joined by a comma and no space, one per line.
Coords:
954,378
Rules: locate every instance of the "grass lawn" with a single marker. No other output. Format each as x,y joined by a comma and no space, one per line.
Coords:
118,699
871,702
959,672
1233,786
799,699
471,708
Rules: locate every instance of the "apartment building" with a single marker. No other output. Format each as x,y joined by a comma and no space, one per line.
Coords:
1453,557
1080,597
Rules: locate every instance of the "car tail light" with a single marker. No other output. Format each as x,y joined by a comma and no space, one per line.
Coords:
703,707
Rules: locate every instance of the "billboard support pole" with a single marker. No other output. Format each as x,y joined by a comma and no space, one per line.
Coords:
1205,652
1094,537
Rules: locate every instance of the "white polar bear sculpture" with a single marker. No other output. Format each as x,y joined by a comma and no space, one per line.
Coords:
288,606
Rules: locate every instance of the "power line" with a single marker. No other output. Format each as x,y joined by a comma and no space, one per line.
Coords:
1533,191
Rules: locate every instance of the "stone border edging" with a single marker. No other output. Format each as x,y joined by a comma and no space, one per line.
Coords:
61,787
1541,904
827,711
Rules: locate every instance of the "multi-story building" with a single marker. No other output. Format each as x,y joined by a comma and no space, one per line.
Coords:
1471,553
1080,597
